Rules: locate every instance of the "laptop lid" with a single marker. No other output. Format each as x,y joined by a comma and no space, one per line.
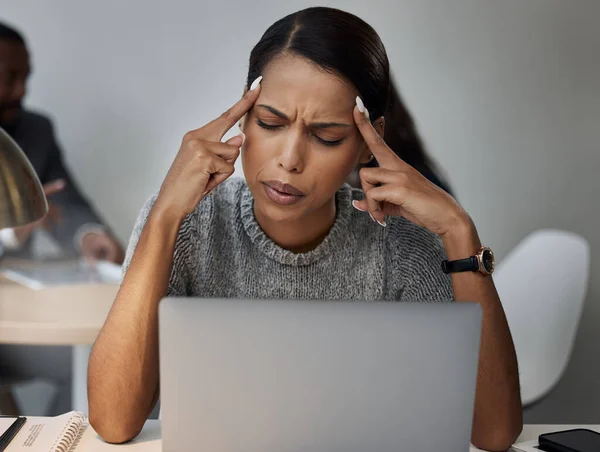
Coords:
314,376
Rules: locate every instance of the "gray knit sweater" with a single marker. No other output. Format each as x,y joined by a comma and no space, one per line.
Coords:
222,251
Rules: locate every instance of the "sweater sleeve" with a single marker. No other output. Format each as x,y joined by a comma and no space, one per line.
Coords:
179,269
415,256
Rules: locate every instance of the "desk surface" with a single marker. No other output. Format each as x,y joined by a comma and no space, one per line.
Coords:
58,315
150,438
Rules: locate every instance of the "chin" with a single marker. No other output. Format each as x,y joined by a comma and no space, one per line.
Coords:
280,213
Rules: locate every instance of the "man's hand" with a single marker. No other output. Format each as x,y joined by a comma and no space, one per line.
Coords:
99,245
54,215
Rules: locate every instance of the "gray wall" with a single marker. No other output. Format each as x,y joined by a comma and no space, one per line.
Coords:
506,94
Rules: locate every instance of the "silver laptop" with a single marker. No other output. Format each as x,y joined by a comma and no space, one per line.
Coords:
313,376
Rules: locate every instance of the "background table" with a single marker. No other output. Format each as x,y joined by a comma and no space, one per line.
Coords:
58,315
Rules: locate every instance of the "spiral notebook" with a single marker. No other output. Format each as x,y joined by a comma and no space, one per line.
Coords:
50,434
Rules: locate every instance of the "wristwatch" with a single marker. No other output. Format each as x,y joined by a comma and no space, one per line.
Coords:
482,262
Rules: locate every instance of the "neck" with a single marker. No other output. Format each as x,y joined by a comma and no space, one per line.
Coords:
302,235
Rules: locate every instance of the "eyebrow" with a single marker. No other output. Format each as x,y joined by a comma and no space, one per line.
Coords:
315,125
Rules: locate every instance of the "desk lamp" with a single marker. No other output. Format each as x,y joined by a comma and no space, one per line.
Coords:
22,199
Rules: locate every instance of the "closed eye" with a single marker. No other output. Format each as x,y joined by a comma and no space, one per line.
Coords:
329,143
266,126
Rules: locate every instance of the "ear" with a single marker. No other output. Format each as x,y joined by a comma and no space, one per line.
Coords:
366,155
379,125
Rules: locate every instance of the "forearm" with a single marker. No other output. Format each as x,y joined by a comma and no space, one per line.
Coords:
498,414
123,368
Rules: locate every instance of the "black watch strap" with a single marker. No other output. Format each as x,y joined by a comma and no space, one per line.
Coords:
470,264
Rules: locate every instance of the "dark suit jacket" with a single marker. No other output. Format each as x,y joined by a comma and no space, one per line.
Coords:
35,134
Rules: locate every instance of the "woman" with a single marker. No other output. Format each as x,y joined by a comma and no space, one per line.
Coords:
317,89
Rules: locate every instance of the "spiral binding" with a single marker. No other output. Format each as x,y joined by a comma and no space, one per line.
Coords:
70,434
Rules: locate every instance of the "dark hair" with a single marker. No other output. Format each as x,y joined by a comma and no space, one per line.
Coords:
345,45
10,34
338,42
402,137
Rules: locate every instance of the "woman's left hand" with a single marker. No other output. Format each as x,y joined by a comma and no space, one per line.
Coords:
397,189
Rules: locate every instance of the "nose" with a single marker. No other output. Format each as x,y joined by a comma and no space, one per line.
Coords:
291,159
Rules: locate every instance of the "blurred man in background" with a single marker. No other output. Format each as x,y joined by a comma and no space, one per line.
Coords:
71,222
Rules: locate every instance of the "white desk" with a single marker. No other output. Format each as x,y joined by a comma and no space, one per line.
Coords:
150,438
147,441
59,315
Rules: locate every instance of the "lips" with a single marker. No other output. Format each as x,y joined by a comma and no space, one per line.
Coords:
282,194
284,188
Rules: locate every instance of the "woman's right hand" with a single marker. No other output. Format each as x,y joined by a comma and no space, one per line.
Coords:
203,161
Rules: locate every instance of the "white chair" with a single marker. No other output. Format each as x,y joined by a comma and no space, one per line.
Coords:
542,284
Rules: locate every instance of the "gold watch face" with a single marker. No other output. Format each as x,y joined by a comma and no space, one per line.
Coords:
486,261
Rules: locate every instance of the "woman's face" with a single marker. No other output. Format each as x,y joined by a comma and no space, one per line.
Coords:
301,139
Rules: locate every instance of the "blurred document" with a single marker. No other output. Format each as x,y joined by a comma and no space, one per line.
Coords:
39,274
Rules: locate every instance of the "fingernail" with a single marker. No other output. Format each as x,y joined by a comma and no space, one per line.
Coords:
243,135
367,113
204,194
381,223
360,104
255,83
354,204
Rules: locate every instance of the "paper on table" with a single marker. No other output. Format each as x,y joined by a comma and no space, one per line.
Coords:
5,423
527,446
42,274
58,433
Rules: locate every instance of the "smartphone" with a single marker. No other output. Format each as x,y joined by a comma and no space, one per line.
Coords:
576,440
